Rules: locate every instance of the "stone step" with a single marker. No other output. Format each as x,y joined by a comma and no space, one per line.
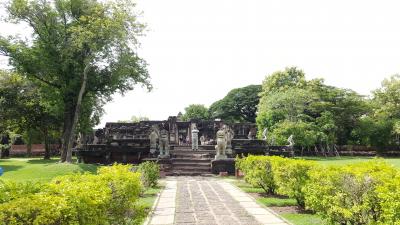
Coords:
192,170
194,160
187,173
193,164
189,147
192,152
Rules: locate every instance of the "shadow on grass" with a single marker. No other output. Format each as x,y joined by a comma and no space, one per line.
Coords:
9,168
42,161
91,168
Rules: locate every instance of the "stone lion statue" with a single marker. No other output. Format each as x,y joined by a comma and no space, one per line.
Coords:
221,143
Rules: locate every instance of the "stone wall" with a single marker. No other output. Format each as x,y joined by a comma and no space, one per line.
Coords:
37,150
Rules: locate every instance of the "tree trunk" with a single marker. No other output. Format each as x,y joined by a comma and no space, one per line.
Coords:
68,113
70,141
29,144
46,145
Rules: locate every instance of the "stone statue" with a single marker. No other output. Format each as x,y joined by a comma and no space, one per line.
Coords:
95,140
195,138
79,141
265,134
290,147
221,144
290,140
164,144
202,140
229,136
153,140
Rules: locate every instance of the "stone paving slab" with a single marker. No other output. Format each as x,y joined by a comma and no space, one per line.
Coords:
164,212
260,213
208,201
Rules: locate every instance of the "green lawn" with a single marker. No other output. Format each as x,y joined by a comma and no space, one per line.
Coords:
344,160
36,169
302,219
147,199
279,201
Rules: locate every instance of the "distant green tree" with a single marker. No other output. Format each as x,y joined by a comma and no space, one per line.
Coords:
279,81
314,112
195,111
239,105
24,111
386,114
80,53
135,119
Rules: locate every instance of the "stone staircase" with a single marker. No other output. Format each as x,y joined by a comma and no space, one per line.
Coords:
186,162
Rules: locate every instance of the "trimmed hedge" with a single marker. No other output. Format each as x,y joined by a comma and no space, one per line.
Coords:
362,193
258,170
106,198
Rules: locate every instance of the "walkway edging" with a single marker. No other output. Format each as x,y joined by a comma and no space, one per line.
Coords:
153,207
164,211
259,216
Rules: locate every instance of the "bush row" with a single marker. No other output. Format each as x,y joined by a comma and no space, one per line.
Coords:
106,198
361,193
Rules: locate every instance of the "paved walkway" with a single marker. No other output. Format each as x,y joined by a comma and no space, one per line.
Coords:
208,201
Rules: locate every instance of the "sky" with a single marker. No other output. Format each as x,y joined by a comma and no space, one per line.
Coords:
198,50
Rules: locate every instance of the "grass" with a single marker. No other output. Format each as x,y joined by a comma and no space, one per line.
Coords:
302,219
275,201
279,201
39,170
345,160
147,200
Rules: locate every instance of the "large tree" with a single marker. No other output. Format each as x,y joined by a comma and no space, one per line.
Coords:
239,105
291,104
195,111
386,114
82,51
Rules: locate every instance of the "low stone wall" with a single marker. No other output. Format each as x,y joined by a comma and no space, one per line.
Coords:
37,150
103,154
352,150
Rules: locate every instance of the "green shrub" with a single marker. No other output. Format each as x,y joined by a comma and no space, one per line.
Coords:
389,200
259,170
10,190
348,194
291,177
125,188
38,209
107,198
87,194
150,173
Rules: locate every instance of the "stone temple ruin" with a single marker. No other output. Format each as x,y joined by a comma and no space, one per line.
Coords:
170,143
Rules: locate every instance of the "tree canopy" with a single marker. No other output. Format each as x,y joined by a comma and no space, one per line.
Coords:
313,112
195,111
24,111
81,52
239,105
